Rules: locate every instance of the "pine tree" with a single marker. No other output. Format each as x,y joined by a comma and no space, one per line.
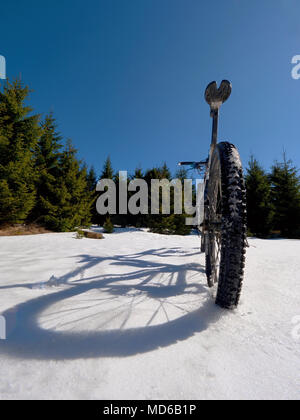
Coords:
286,198
137,220
138,173
154,221
47,168
19,133
91,184
182,174
73,207
120,219
172,224
165,172
107,173
91,179
108,226
259,206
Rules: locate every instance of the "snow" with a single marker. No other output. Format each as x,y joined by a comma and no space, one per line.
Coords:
131,317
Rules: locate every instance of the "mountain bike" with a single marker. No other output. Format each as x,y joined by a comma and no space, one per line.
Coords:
223,228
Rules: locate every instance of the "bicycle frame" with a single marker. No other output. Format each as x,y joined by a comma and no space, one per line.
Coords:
221,204
214,96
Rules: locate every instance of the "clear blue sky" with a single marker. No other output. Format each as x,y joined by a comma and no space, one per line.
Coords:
127,77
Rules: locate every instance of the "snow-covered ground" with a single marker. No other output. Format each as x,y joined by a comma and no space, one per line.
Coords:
130,317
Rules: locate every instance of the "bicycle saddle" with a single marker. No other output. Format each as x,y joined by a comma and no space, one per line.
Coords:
215,96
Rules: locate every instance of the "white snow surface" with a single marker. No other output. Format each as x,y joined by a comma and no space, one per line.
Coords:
131,317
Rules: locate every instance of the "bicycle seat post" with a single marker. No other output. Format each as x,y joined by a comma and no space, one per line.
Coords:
214,113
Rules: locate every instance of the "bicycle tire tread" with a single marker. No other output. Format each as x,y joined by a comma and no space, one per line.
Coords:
233,239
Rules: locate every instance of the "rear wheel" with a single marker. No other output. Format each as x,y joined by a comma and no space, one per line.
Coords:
225,223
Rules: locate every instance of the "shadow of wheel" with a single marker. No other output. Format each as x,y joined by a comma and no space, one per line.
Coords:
27,339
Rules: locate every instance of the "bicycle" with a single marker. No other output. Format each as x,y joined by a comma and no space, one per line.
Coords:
223,229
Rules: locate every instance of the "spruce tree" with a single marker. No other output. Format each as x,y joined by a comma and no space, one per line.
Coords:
19,133
120,219
137,220
171,224
47,169
259,206
286,198
107,173
165,172
73,207
182,174
154,221
108,226
91,180
138,173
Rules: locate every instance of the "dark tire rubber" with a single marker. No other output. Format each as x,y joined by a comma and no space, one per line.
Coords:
233,225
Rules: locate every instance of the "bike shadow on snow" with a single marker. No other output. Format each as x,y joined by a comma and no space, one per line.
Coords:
27,339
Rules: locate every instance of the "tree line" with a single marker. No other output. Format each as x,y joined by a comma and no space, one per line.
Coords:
42,181
273,199
157,223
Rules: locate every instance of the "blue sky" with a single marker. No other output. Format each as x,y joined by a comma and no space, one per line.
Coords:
126,78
